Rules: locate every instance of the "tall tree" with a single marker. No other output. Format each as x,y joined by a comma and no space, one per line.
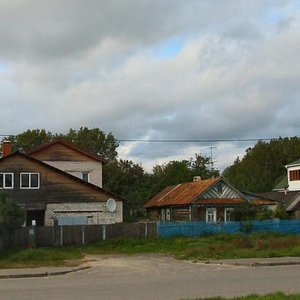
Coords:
129,180
93,140
263,165
30,139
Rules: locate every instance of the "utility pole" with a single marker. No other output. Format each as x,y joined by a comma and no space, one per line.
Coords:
211,156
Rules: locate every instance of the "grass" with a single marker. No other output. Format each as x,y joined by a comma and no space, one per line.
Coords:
274,296
208,247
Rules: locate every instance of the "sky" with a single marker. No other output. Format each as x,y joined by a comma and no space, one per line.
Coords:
159,69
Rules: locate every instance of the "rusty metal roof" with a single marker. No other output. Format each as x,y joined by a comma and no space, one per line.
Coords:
181,194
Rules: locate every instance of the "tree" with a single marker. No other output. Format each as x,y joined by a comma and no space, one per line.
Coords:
94,141
128,180
12,216
263,164
30,139
175,172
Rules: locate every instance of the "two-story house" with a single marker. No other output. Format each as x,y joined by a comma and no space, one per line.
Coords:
59,182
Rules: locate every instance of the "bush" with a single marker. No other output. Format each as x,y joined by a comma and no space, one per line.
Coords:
12,216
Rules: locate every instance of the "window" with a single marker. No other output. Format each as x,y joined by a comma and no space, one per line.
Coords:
168,214
163,215
86,177
6,180
211,215
227,214
294,175
29,180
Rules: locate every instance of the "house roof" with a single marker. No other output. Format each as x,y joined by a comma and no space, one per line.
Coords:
281,184
67,144
296,162
181,194
286,199
258,199
80,181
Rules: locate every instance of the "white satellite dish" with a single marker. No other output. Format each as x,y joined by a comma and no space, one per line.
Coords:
111,205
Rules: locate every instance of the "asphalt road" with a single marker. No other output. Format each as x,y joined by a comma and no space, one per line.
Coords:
153,277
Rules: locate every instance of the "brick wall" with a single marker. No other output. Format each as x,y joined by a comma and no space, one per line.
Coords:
76,168
96,212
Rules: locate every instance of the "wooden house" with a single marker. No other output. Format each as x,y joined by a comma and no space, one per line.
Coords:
48,183
210,200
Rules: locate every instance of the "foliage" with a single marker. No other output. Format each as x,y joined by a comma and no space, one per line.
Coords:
244,212
92,140
12,216
280,212
129,180
263,164
175,172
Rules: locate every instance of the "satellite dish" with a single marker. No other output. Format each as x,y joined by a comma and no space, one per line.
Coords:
111,205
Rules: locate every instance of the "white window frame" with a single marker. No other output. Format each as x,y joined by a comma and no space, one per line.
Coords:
226,209
168,214
29,187
163,215
4,187
211,212
88,174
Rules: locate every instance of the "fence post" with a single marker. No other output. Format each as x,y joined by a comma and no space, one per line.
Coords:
82,234
146,229
103,232
61,235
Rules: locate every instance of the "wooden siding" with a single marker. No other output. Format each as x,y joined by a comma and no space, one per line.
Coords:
181,213
55,186
60,152
227,192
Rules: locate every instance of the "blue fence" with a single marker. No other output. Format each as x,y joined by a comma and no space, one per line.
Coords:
194,229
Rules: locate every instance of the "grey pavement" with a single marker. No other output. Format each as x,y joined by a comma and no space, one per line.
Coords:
53,271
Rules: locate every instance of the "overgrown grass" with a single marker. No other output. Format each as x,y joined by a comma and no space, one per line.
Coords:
40,257
204,248
274,296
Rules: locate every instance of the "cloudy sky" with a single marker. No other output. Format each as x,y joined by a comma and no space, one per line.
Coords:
159,69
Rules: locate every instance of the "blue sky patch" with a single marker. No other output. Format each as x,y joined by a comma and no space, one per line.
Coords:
169,49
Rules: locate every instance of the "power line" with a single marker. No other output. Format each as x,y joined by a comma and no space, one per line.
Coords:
194,140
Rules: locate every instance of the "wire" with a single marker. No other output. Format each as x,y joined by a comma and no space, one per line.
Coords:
194,140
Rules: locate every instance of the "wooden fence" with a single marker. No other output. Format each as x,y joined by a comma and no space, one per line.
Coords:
75,234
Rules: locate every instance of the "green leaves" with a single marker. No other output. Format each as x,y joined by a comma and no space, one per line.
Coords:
263,165
12,216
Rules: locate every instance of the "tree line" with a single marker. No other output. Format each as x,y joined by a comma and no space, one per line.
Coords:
263,165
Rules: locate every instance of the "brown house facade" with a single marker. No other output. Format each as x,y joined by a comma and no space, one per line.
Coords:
50,194
210,200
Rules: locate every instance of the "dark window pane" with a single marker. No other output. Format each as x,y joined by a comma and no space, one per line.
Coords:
1,180
85,177
25,180
34,180
8,181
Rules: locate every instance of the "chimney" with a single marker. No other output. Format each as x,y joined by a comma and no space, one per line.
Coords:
6,148
197,178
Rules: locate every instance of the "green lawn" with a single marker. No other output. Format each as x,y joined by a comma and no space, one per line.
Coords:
209,247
